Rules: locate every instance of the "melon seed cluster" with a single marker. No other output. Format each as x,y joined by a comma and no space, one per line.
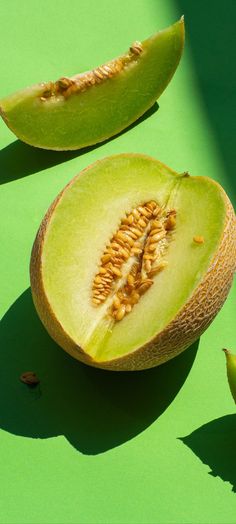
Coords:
67,86
132,258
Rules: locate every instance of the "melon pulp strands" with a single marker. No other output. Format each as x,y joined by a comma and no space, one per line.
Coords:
98,104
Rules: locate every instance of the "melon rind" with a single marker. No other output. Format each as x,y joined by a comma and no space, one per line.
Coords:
191,321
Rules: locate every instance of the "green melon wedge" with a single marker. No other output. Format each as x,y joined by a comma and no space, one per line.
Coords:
88,108
231,372
184,297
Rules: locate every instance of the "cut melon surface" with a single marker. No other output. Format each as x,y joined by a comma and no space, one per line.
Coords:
90,107
183,298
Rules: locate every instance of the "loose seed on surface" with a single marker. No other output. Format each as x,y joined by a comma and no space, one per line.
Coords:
30,378
198,239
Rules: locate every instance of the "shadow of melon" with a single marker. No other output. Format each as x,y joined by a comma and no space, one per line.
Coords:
214,444
95,410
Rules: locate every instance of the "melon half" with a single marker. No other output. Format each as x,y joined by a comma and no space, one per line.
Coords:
132,262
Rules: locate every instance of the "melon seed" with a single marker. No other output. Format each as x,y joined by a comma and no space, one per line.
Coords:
198,239
30,378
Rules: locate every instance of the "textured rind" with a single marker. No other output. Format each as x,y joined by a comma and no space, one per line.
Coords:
198,312
181,332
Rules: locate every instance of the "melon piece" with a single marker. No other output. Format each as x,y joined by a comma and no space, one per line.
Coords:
90,107
231,372
132,262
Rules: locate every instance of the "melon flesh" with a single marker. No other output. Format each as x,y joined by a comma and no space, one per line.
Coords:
71,241
101,110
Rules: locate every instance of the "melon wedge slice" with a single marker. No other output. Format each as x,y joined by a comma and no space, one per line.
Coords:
231,372
91,107
132,262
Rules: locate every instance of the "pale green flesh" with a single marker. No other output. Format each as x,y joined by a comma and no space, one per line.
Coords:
84,221
102,110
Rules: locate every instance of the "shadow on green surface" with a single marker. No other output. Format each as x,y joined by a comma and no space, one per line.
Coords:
96,410
214,444
18,160
210,28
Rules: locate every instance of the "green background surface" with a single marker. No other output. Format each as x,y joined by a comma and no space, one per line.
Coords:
91,446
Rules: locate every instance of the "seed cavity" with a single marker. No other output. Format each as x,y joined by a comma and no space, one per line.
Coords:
133,256
68,86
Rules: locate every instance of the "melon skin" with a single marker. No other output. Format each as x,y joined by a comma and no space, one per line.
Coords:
188,325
